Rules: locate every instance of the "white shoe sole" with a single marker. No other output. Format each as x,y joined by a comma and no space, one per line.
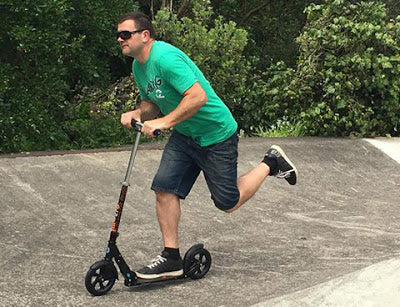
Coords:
165,275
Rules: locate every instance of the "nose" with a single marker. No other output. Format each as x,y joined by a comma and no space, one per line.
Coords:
119,39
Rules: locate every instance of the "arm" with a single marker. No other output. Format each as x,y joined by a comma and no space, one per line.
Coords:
147,110
193,99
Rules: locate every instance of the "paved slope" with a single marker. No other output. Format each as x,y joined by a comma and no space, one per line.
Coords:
57,212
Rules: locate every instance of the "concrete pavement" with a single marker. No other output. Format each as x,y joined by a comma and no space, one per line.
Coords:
305,245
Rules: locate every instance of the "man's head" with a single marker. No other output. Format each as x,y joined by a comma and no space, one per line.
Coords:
135,31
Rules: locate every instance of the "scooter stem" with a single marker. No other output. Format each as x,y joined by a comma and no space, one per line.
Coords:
132,158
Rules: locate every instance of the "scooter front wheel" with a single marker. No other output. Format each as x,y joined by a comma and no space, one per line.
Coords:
100,278
197,262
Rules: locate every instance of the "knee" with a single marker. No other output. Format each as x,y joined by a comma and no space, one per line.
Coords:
227,207
230,210
163,197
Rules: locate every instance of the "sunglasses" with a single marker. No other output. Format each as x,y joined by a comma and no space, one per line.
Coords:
124,35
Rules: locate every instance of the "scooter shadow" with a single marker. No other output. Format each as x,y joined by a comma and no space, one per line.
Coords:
152,286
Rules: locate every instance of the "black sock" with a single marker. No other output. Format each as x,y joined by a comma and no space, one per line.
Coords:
172,253
273,165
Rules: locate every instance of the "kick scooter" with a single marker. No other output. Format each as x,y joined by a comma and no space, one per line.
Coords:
101,276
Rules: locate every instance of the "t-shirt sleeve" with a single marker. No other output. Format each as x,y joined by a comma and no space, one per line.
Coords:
176,71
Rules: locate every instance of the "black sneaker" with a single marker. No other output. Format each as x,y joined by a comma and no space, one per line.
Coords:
286,168
161,266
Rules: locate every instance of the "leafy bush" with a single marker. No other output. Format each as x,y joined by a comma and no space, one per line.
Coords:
57,58
267,98
94,115
347,80
47,50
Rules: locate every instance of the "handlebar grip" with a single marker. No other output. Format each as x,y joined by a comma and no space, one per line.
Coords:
139,125
134,122
157,132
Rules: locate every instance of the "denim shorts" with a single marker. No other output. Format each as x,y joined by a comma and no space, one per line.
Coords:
182,161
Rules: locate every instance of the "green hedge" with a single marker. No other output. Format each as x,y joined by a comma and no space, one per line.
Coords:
48,51
57,59
349,69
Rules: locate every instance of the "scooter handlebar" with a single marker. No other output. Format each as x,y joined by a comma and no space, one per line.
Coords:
139,125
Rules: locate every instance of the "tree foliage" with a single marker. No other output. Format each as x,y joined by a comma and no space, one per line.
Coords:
272,26
347,77
47,50
59,61
348,73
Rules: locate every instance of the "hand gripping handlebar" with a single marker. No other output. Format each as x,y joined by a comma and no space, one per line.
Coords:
138,126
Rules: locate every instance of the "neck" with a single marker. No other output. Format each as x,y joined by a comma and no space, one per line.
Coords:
145,53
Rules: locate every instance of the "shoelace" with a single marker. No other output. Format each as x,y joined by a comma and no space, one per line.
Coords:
283,175
156,261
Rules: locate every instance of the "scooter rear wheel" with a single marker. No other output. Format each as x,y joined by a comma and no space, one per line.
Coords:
100,278
197,262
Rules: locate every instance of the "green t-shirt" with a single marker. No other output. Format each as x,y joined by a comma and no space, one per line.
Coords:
164,78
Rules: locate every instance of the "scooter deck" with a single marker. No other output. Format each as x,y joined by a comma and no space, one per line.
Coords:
140,281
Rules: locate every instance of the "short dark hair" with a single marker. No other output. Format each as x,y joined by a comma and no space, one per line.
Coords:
142,21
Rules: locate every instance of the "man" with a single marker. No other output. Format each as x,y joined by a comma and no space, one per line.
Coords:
204,137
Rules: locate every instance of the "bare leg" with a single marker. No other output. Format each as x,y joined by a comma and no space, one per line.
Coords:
168,213
249,183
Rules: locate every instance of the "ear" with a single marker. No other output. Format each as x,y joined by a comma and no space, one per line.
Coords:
146,36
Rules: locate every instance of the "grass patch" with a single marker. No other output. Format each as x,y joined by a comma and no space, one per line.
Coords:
282,128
